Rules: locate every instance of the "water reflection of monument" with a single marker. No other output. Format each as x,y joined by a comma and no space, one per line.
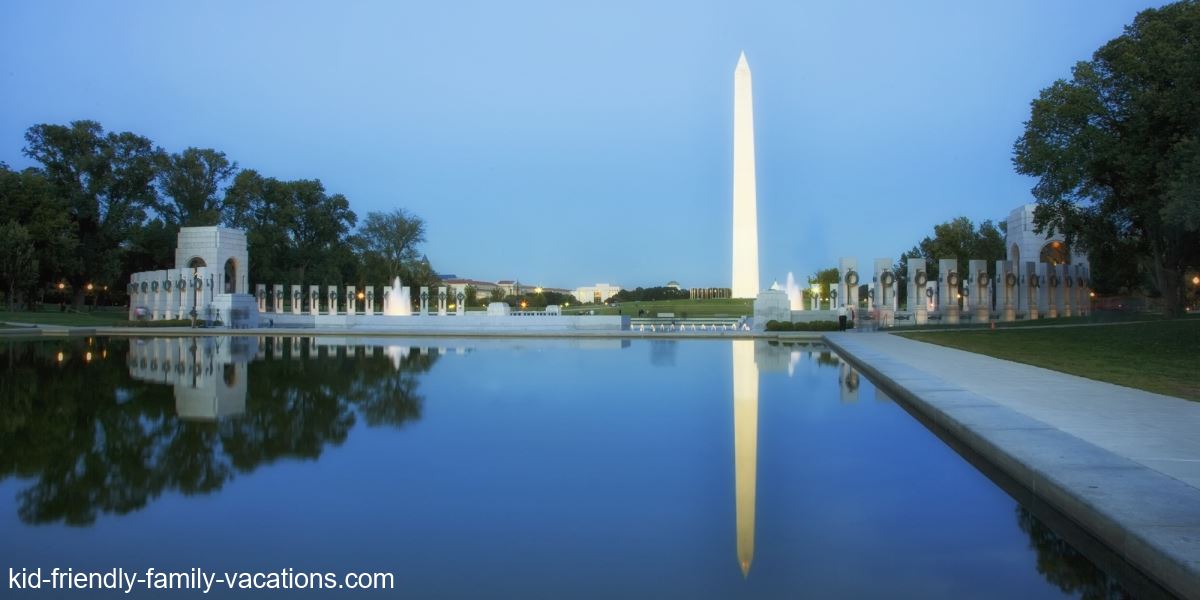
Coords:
208,373
750,357
745,447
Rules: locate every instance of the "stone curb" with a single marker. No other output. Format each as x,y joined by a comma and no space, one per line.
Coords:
1149,519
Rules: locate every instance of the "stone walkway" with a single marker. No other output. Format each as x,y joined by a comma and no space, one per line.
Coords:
1122,463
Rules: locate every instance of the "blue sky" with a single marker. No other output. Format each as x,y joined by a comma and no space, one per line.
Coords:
569,143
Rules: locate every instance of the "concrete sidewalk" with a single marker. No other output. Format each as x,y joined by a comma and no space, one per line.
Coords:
1123,464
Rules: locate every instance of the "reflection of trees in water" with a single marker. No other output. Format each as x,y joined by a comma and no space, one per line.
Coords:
1063,565
94,440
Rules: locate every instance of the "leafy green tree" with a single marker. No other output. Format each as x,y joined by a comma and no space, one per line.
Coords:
107,181
826,278
472,295
392,238
961,239
18,262
27,198
296,232
649,294
1117,147
189,183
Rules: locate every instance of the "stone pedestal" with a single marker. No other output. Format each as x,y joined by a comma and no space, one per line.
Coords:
1067,289
424,300
237,311
771,305
314,299
848,282
351,300
331,299
460,302
949,280
441,301
370,300
980,282
297,298
1007,281
277,298
1031,283
388,299
260,293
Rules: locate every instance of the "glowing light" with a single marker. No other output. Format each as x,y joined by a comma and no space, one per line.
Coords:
523,304
1196,280
1092,294
537,290
361,295
89,287
60,357
61,285
87,357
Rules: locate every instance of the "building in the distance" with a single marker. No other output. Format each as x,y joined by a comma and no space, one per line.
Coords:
1022,243
712,293
674,285
596,293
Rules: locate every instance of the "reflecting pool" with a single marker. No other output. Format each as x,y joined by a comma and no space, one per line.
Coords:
505,468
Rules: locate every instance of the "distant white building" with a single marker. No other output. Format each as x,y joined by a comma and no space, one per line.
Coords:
596,293
1022,243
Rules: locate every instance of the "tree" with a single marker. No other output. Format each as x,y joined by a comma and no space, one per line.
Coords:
826,278
1117,147
18,264
961,239
106,181
296,232
189,182
26,197
391,238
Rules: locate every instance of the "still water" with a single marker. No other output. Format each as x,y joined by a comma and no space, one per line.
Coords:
503,468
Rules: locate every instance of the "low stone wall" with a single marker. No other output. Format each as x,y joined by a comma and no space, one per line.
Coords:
451,322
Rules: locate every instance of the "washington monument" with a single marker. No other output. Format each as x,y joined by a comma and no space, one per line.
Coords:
745,202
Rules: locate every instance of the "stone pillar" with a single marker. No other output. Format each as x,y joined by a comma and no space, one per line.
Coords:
441,301
389,296
424,301
351,300
460,302
297,298
314,300
331,295
980,282
847,293
1053,291
370,306
1006,290
917,280
1032,284
1085,289
949,279
260,292
883,281
1067,290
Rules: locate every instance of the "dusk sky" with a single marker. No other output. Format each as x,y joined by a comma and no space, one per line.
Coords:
569,143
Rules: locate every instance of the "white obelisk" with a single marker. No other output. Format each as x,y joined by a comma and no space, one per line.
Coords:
745,201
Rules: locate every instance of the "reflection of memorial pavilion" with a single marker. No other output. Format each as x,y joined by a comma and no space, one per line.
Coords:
207,373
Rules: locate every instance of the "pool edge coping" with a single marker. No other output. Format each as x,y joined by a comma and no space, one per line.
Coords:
1167,553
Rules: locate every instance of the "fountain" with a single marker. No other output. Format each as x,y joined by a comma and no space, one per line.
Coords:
400,303
795,297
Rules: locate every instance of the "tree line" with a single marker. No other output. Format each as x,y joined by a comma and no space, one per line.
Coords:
101,205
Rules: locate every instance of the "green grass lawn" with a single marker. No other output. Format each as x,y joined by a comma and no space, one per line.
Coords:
100,317
1159,356
692,308
1095,317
